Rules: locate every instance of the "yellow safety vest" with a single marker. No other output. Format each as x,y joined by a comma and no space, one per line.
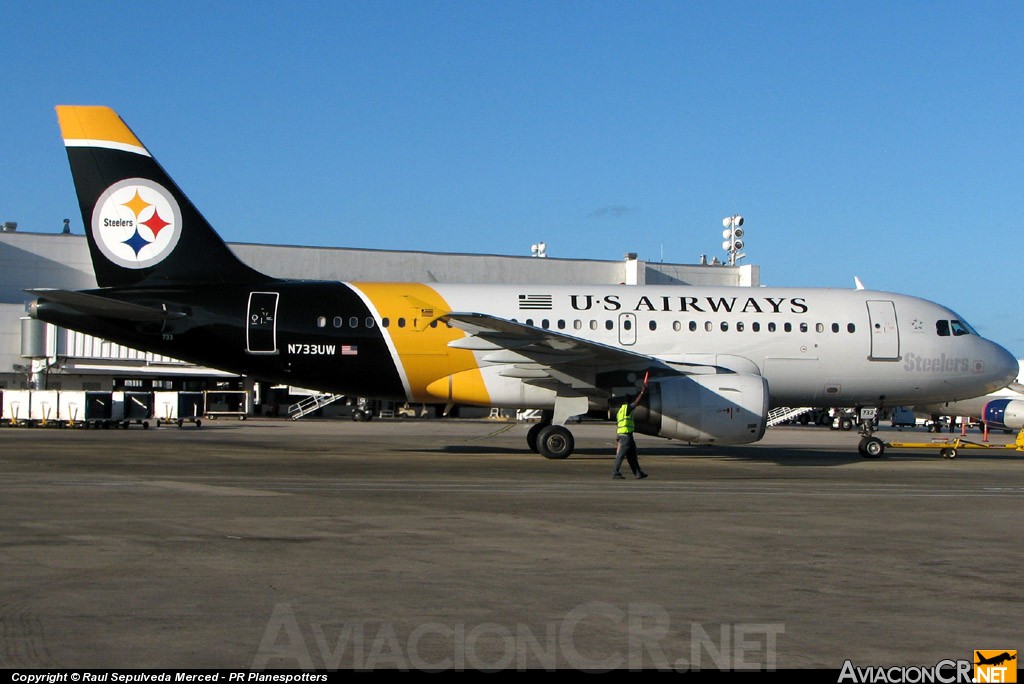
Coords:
625,419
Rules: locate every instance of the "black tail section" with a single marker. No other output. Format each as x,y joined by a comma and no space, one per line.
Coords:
141,227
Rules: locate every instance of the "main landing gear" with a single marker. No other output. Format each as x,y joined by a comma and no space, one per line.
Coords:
550,441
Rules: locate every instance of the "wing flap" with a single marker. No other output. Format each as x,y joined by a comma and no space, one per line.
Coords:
549,358
547,347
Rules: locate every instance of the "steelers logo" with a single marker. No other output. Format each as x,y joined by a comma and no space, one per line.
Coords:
136,223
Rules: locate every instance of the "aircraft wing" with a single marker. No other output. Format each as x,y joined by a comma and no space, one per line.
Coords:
95,305
539,355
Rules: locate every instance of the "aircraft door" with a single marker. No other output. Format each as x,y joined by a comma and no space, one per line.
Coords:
885,334
261,326
627,329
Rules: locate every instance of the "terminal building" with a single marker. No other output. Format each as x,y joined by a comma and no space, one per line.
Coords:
38,356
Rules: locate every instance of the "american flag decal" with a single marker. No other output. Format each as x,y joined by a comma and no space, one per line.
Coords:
349,349
534,302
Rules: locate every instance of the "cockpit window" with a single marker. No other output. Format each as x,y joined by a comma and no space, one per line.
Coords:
954,327
961,328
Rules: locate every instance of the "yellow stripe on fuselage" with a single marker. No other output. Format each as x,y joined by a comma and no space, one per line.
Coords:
99,124
423,349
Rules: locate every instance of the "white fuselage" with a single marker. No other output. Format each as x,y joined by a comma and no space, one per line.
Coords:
815,347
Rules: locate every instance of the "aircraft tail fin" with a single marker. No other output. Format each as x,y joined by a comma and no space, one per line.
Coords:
141,227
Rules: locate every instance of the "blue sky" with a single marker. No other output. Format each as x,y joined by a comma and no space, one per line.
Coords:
876,139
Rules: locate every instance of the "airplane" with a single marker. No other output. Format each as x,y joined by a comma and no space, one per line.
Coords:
1000,410
994,660
718,358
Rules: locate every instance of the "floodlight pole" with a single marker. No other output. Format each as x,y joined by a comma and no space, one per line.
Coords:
732,235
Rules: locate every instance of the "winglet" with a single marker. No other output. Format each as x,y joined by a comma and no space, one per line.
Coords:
428,312
857,284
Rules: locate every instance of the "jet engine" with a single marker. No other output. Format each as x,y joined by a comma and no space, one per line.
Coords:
1005,414
718,409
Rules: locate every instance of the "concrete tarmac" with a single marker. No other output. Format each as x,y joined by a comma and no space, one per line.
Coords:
446,544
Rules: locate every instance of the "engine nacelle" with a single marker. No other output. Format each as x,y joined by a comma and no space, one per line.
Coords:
718,409
1004,414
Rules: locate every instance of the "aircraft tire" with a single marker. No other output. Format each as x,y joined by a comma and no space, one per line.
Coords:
871,447
531,436
846,424
555,442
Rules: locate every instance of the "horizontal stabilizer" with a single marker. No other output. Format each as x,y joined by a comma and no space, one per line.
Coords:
95,305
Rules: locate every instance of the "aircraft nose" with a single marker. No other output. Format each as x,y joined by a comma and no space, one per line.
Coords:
1004,365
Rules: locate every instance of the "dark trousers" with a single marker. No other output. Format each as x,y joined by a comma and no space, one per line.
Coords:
627,450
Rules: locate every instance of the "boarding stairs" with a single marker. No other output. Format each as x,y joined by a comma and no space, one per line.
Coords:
784,413
311,403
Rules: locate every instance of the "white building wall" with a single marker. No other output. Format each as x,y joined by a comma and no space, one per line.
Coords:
30,260
10,344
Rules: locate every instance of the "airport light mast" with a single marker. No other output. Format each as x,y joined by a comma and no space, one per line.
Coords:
733,235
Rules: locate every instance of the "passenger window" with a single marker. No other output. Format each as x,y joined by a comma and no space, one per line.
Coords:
835,327
819,327
803,327
321,322
545,323
593,325
739,327
577,324
755,326
942,328
693,326
385,322
788,327
338,321
677,326
371,323
401,322
771,327
851,328
627,324
653,325
353,322
608,325
725,326
561,324
708,326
